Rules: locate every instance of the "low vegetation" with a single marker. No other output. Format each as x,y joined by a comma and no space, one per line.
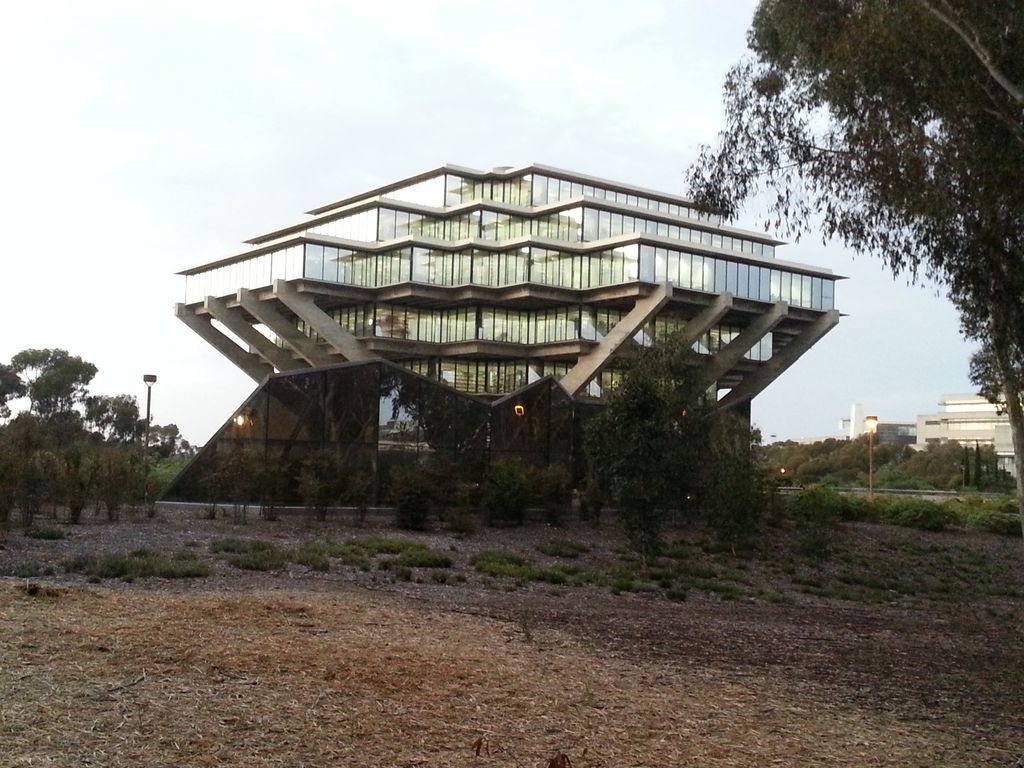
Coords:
139,564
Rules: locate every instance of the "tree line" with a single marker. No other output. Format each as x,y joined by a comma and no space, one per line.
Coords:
70,448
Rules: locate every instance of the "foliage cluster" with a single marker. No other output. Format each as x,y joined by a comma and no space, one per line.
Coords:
660,446
845,463
912,153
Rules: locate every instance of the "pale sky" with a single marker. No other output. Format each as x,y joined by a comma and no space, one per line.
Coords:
139,139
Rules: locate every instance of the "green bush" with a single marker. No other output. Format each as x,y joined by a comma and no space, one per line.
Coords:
817,504
552,491
507,492
141,563
911,513
563,548
418,558
315,555
460,521
988,521
235,546
817,510
384,545
498,562
46,534
250,554
412,492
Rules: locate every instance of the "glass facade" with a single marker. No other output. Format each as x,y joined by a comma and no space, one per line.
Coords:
372,417
526,264
513,228
526,327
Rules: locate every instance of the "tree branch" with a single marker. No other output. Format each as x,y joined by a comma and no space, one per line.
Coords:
973,41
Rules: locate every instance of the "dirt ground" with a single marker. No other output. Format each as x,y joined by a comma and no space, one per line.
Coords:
353,667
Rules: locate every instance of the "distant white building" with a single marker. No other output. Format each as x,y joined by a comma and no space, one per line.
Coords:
887,432
968,419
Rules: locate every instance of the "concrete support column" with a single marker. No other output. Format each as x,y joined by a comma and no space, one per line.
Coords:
247,361
590,364
733,352
279,324
755,382
343,342
232,319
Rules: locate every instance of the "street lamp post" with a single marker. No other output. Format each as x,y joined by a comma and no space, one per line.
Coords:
871,426
149,380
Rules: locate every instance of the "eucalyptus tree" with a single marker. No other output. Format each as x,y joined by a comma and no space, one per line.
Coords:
897,126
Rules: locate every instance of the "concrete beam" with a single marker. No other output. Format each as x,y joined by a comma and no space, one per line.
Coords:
253,366
343,342
232,319
304,346
727,357
707,319
754,383
590,364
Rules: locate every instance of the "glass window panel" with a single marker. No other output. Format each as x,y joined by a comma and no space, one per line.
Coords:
827,293
816,293
331,264
743,280
721,272
731,277
591,226
385,224
697,272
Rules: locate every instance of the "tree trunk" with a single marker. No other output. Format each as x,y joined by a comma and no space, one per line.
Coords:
1015,411
1013,392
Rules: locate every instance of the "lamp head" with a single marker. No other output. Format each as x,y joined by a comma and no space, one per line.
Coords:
871,424
149,379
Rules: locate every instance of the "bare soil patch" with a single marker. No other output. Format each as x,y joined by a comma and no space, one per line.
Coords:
359,666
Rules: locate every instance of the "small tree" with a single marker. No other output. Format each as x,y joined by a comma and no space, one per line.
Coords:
411,490
552,491
318,481
76,469
644,445
735,483
119,474
506,492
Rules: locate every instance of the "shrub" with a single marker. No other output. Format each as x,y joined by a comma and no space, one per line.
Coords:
552,491
141,563
250,554
563,548
47,534
412,492
460,521
315,555
912,513
506,492
817,504
418,558
383,545
817,510
498,562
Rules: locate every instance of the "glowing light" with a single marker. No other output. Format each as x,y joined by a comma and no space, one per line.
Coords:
871,424
519,410
240,420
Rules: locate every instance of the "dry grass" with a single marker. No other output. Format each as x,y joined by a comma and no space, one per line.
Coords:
101,677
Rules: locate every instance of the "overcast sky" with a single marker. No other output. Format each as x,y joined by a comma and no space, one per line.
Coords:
139,139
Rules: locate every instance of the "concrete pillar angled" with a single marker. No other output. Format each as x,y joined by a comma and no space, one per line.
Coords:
706,319
302,345
590,364
755,382
727,357
343,342
251,364
233,320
